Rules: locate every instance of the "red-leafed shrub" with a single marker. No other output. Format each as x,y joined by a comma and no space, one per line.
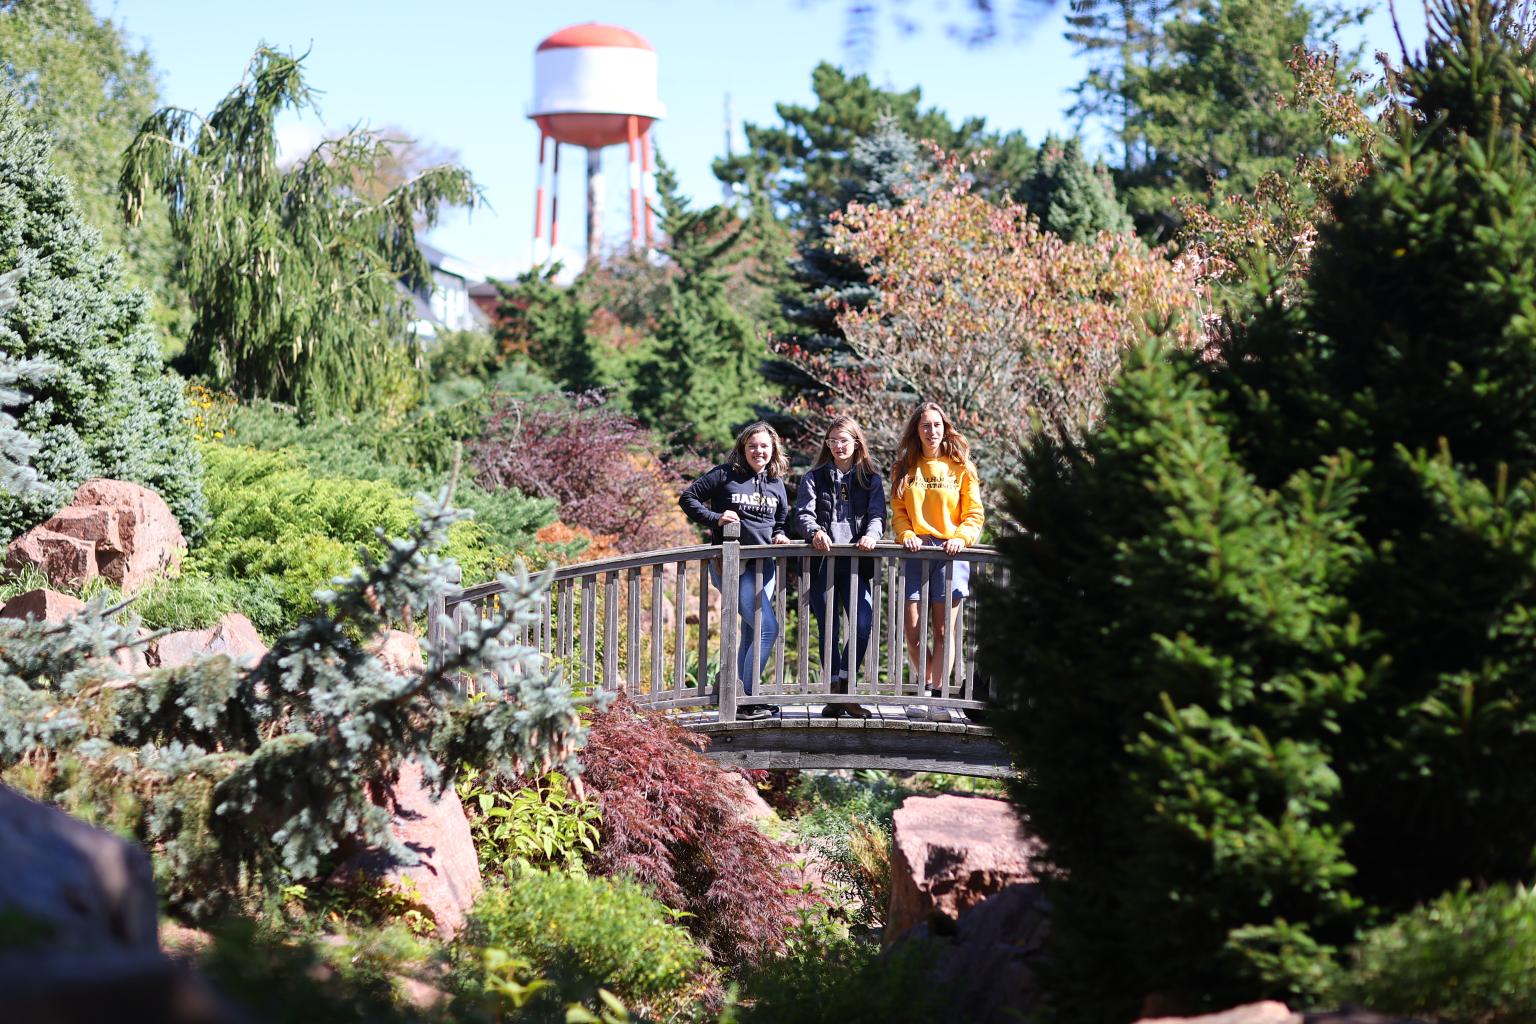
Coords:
669,823
596,462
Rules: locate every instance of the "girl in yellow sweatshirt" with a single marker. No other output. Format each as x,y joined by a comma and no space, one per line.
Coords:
935,502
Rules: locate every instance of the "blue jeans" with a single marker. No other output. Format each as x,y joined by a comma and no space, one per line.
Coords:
841,580
748,595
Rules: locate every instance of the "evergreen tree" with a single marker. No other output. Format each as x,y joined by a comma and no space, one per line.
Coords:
702,380
549,322
1071,198
804,162
1266,653
108,408
294,273
1204,112
16,448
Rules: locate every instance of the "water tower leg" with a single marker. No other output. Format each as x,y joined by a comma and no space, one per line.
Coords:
649,180
538,200
594,204
554,203
634,183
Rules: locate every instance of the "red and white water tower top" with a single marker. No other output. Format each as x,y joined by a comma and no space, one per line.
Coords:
595,86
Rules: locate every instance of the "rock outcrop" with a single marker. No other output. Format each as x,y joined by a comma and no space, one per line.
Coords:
232,635
948,853
110,528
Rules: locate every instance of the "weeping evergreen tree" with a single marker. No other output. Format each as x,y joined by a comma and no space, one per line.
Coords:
1267,654
293,272
107,407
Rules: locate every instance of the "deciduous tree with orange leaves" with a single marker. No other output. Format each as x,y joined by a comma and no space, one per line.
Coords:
1012,329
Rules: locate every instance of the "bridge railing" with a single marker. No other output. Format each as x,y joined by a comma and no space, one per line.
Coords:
651,625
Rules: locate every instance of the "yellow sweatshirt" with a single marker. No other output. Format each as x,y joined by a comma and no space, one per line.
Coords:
942,500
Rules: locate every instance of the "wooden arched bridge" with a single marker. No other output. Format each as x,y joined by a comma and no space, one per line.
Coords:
652,626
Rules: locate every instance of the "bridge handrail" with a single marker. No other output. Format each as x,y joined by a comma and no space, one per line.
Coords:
883,681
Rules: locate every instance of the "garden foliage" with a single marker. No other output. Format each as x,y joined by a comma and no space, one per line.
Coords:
239,780
670,825
107,408
584,933
1265,654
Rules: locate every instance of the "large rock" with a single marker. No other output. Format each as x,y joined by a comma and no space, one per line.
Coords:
446,879
110,528
232,635
43,605
399,652
83,888
984,962
948,853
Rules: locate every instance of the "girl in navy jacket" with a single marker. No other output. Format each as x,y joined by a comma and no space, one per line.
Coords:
842,501
748,489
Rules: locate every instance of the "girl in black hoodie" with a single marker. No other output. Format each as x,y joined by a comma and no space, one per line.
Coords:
747,489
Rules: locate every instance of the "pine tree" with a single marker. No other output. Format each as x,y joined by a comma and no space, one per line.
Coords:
1266,654
1071,198
108,408
804,162
702,381
1204,112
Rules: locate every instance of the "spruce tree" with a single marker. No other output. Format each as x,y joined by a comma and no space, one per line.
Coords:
108,408
881,168
701,382
1070,197
1266,653
549,322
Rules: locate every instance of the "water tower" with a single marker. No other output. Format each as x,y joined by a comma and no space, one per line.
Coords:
595,86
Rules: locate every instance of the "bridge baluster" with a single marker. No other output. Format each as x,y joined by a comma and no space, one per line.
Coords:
781,578
658,683
632,661
680,630
588,630
611,631
803,644
893,639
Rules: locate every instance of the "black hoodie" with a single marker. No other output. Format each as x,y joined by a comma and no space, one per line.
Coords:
761,503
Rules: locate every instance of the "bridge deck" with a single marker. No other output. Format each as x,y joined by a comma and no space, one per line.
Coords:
800,738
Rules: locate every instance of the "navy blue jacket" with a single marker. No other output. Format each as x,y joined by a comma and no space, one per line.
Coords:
762,504
813,503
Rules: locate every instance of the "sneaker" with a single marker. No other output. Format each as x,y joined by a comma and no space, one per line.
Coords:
857,711
938,714
834,711
754,712
918,712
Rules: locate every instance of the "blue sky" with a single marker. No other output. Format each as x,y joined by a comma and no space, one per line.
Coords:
460,75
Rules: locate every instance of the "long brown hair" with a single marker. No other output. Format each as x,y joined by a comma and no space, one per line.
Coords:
910,448
863,465
777,466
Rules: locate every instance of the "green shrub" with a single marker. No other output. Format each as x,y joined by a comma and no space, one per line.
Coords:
1467,958
413,456
540,825
584,933
283,532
